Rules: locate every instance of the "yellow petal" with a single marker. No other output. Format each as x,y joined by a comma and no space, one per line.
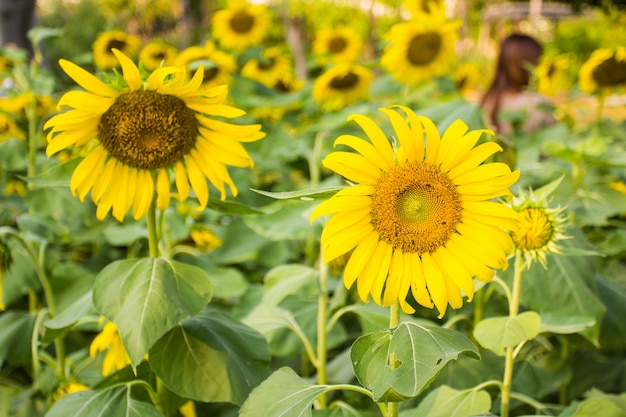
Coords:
352,166
145,194
87,172
377,136
198,183
359,259
86,80
163,190
435,283
129,70
182,181
415,270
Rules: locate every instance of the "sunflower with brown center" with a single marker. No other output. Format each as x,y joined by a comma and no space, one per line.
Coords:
337,44
420,49
341,85
604,72
270,67
157,53
106,42
141,134
218,65
420,217
241,25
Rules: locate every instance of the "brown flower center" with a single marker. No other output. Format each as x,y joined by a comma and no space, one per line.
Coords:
242,22
148,130
337,44
344,82
610,72
423,48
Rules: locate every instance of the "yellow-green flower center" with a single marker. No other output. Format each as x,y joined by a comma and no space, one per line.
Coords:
610,72
337,44
344,82
535,229
416,208
148,130
241,22
423,48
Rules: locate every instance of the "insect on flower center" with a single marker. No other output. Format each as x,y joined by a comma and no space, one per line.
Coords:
416,208
148,130
242,22
610,72
344,82
535,229
423,48
337,44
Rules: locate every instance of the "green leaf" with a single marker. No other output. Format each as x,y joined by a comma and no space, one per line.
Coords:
559,324
305,195
110,402
285,280
211,358
499,333
70,316
283,220
598,404
231,207
147,297
448,402
398,364
57,176
16,328
125,234
283,394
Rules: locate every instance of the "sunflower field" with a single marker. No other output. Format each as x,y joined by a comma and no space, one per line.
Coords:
306,209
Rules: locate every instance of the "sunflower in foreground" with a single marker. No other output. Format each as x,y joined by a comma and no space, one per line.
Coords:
138,136
241,25
604,72
338,44
103,56
540,229
420,49
419,216
341,85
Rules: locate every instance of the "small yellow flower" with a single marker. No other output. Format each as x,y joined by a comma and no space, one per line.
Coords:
341,85
69,388
241,25
273,64
337,44
106,42
9,128
618,185
157,53
188,409
551,73
109,340
205,239
15,187
604,72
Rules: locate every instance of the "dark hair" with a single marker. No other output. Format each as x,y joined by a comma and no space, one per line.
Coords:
517,52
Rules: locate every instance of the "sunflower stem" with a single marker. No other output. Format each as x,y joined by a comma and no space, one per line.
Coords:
509,355
394,321
153,237
322,322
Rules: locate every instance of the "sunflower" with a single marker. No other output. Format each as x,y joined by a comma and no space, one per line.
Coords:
109,339
218,65
156,53
341,85
9,128
143,133
604,72
287,84
418,217
271,66
68,388
541,227
468,76
103,56
241,25
338,44
420,49
424,7
552,76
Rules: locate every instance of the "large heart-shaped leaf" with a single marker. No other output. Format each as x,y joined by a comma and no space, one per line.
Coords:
211,358
398,364
499,333
147,297
283,394
114,401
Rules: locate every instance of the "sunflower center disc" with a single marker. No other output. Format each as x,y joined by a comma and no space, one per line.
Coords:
610,73
242,22
344,82
115,43
415,208
148,130
337,45
424,48
535,230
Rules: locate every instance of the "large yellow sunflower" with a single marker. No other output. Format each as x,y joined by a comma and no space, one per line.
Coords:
337,44
604,72
271,66
103,56
341,85
141,134
419,216
241,25
218,65
420,49
156,53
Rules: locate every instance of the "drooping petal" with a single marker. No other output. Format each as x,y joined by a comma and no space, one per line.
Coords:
163,190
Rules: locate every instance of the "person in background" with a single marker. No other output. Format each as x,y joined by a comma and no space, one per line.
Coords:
510,106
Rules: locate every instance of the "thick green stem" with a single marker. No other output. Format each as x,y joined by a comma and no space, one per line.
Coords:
153,237
322,320
509,355
394,321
